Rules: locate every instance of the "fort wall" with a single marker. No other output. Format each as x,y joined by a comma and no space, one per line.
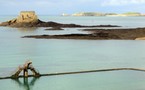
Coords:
27,16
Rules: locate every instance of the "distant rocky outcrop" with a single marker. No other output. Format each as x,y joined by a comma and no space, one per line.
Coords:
88,14
132,14
30,19
107,14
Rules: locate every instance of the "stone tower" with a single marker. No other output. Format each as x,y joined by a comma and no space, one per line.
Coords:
27,17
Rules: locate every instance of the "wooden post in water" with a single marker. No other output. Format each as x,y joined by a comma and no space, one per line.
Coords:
17,72
35,73
25,68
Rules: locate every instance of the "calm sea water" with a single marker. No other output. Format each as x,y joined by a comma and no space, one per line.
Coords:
56,55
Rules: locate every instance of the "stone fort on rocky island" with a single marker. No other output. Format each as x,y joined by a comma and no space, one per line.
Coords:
27,16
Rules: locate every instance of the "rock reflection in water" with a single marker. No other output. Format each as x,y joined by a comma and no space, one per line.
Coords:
26,84
30,29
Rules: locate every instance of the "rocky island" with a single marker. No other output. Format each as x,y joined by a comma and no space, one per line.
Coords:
126,14
30,19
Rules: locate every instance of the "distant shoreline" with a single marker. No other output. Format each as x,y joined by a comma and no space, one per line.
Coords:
126,14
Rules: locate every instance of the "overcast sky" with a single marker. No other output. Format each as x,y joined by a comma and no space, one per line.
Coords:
57,7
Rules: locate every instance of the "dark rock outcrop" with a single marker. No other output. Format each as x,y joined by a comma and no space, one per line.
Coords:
124,34
98,34
95,36
39,23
